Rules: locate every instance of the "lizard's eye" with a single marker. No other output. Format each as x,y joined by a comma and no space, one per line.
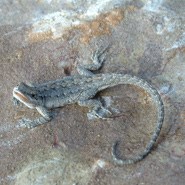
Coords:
34,97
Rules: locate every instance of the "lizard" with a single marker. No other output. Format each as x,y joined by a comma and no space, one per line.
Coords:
81,89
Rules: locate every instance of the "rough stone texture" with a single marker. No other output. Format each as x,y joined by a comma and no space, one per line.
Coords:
42,40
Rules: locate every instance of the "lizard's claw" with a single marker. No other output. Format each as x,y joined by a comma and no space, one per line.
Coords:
98,55
26,123
101,113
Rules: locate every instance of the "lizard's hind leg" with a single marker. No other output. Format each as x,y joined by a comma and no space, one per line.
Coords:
96,109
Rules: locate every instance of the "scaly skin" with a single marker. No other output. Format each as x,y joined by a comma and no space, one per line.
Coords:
81,89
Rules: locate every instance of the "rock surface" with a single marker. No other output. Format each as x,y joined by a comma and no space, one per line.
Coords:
45,39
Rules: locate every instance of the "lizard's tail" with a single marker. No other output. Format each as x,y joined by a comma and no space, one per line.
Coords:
128,79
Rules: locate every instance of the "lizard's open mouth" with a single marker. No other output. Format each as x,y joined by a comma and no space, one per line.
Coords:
22,98
19,95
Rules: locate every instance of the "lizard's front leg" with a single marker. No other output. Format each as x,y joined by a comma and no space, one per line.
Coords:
45,118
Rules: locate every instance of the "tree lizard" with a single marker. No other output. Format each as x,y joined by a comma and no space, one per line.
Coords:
81,89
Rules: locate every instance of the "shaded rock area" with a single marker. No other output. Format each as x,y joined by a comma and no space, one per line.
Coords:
44,40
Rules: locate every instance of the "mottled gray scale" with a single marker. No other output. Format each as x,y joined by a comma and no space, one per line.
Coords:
80,89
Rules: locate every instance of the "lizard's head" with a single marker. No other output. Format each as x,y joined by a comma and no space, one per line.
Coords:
25,94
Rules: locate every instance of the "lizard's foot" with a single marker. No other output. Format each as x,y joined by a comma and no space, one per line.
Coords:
97,58
107,103
27,123
101,113
97,110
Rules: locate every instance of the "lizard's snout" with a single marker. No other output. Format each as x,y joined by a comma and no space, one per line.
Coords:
22,98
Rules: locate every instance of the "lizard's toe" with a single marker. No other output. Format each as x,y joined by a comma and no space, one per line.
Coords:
26,123
92,115
101,113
